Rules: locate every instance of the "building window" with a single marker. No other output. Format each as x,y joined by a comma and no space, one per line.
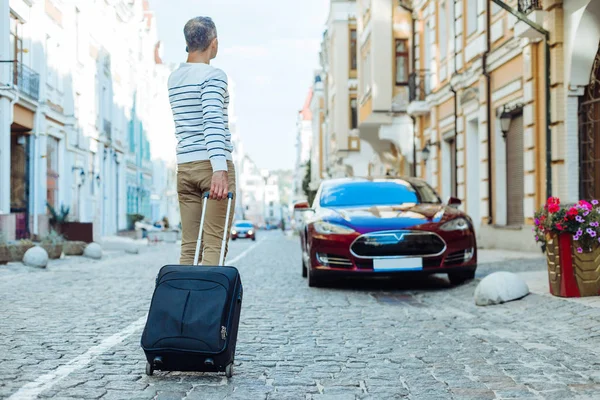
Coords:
353,50
353,113
443,31
401,62
52,174
16,39
365,75
472,12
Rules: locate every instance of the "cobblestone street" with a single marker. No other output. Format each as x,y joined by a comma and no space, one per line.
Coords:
73,331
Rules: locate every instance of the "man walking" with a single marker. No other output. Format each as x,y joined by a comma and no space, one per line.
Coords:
199,99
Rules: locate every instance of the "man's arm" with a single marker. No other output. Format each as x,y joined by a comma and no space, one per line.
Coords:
213,102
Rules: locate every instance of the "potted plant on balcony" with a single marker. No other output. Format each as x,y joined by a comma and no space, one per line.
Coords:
4,254
53,244
571,235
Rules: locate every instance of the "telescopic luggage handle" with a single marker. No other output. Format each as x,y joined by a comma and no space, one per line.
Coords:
205,197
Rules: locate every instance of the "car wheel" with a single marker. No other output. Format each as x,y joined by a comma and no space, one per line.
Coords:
460,277
304,269
254,238
314,281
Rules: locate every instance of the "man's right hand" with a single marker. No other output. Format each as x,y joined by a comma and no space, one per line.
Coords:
219,186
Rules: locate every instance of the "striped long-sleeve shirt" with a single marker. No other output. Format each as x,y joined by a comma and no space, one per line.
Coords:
199,101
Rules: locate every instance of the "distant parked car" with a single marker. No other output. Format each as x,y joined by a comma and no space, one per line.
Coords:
243,230
375,227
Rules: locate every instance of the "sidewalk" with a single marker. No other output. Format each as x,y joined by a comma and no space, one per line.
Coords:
534,273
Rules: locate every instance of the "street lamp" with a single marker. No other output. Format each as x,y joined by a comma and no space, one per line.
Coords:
426,152
505,119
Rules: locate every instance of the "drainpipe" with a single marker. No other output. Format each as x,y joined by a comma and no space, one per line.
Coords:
414,149
453,90
523,18
412,52
488,94
35,159
455,171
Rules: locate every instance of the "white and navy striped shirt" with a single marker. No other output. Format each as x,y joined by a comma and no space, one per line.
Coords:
199,101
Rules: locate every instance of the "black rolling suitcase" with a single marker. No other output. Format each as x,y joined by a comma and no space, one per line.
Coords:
194,315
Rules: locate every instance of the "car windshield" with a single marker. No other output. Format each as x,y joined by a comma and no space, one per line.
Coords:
376,193
243,225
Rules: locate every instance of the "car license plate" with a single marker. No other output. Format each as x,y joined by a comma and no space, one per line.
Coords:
397,264
242,235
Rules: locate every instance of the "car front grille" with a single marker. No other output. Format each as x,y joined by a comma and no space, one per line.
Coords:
398,243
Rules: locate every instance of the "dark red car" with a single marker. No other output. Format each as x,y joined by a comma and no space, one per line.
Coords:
366,227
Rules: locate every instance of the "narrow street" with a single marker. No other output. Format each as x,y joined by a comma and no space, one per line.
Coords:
73,331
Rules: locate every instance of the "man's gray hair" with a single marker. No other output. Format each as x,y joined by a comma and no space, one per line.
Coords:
199,33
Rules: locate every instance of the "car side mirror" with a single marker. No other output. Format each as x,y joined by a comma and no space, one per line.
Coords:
454,202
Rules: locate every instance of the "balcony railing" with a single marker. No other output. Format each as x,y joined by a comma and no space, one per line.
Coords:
418,86
527,6
26,79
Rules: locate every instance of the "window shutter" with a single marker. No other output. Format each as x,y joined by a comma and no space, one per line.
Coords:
515,175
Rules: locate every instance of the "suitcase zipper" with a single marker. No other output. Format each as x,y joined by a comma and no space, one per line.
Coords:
223,333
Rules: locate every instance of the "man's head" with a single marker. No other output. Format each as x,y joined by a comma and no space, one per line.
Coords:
201,36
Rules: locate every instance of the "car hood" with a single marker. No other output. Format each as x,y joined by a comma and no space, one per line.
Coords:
405,216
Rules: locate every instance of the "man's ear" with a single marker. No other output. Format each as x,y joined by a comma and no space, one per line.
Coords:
187,50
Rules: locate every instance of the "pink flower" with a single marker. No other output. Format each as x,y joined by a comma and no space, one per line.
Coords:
585,204
579,219
595,202
579,250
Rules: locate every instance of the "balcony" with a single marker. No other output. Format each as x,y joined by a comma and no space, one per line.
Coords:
418,89
25,79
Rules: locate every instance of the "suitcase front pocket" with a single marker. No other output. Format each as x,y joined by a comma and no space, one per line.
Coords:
187,315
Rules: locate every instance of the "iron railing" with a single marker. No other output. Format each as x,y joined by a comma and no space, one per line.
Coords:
527,6
418,86
26,79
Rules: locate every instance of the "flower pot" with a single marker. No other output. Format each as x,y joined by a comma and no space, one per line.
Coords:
74,248
572,274
54,250
17,251
4,254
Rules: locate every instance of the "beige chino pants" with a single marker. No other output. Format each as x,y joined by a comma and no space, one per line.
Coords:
194,179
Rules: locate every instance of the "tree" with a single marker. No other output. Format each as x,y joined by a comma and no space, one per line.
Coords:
310,194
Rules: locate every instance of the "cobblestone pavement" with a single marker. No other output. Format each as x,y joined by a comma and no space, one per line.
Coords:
73,331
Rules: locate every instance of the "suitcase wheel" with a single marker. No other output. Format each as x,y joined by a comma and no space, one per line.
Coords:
149,369
229,370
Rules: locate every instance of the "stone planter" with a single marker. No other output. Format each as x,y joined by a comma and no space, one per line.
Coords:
4,254
571,274
18,250
74,248
54,250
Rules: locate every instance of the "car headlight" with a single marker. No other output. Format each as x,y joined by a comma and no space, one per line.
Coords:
233,232
250,232
458,224
328,228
